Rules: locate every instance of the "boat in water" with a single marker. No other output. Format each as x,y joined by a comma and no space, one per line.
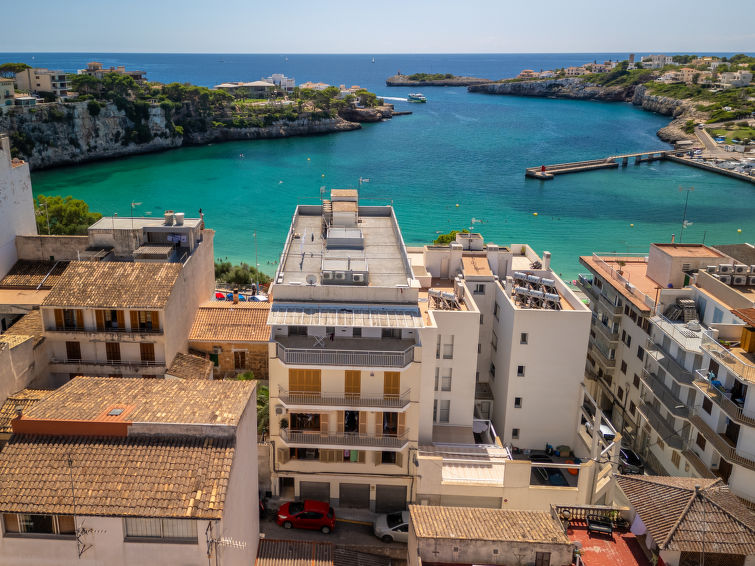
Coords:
416,97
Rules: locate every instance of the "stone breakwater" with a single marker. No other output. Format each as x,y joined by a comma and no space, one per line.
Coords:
403,80
578,89
53,135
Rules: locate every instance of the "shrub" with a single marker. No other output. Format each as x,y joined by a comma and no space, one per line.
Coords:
94,107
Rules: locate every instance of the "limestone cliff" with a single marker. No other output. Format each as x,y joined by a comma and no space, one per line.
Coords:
404,80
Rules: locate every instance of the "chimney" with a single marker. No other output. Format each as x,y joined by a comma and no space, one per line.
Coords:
169,218
546,261
235,295
509,285
673,237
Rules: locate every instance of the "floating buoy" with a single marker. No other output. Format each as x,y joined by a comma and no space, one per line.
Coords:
739,230
631,225
309,159
323,175
457,205
534,214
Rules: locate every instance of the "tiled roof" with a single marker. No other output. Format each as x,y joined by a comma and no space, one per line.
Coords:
186,366
29,325
680,520
27,274
108,284
144,477
468,523
747,315
220,321
20,400
14,340
272,552
147,400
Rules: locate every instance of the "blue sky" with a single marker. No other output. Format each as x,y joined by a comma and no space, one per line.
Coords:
385,26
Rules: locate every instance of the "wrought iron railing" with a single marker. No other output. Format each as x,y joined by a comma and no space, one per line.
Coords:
145,363
333,357
377,400
346,440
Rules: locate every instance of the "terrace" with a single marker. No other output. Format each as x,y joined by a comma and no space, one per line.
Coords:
364,352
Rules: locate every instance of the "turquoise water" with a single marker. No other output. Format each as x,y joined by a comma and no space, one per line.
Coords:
459,148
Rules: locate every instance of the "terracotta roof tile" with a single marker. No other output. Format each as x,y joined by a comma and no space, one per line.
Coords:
220,321
679,520
108,284
294,553
27,274
153,400
20,400
29,325
144,477
187,366
467,523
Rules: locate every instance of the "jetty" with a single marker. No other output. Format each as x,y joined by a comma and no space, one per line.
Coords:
547,172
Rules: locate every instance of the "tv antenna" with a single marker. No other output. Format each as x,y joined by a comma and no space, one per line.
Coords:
685,222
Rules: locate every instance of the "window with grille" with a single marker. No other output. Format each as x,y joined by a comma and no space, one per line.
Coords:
700,441
23,524
444,412
675,458
448,348
173,529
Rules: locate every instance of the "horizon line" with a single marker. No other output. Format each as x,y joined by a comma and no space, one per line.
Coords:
368,53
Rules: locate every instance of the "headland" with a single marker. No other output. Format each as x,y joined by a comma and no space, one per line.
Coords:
436,79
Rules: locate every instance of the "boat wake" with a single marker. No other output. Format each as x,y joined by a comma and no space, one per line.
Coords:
392,98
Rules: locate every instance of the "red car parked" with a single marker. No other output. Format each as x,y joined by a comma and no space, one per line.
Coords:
308,514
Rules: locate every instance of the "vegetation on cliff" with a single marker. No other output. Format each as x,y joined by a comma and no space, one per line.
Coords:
430,77
242,274
63,216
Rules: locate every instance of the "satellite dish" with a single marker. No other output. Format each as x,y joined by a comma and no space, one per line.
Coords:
311,279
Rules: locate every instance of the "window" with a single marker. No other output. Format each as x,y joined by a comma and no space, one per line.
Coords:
523,337
718,315
113,351
707,405
660,443
444,412
304,380
700,441
448,348
623,367
636,381
147,352
492,370
640,353
542,559
628,341
388,458
496,311
239,359
69,319
437,348
517,402
73,350
623,335
479,348
675,458
21,524
514,433
389,333
144,321
632,408
435,411
110,320
445,379
479,289
494,341
174,529
620,393
520,371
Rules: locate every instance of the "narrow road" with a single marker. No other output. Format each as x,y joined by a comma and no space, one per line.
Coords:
706,140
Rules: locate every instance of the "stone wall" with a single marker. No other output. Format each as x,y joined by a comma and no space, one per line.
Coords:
256,355
45,247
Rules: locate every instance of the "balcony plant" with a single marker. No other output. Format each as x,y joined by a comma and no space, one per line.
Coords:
621,265
283,423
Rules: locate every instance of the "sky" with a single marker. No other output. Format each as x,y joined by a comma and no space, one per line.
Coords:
385,26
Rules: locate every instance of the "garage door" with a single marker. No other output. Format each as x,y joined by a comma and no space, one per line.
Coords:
389,498
319,491
466,501
355,495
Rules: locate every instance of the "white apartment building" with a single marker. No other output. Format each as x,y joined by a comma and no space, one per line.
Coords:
656,61
132,471
16,204
7,92
43,80
280,80
735,78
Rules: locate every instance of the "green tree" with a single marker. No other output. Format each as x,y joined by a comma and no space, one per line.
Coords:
242,274
86,84
9,70
263,409
450,237
67,216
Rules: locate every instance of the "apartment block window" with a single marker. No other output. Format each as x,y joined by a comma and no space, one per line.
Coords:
479,289
445,379
448,348
623,367
675,458
494,341
620,393
520,371
69,319
514,433
387,333
147,352
73,350
22,524
700,441
437,347
492,370
623,335
628,340
172,529
437,378
113,351
145,321
239,359
707,405
110,320
523,338
517,402
636,381
632,408
445,411
435,411
496,311
640,353
479,348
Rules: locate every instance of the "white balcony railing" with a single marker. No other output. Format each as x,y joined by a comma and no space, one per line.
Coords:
344,440
378,400
722,354
141,363
334,357
722,399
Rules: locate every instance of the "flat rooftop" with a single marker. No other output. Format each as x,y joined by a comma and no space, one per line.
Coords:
110,223
382,251
689,250
634,270
476,266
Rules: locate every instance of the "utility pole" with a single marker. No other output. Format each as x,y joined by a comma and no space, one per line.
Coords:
256,262
684,216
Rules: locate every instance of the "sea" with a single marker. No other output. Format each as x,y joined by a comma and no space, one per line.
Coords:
456,162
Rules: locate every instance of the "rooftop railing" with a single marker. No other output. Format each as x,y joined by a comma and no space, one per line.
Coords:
144,363
614,273
721,398
345,440
332,357
293,399
722,354
674,331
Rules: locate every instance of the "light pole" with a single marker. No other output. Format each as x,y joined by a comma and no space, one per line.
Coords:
133,204
256,262
684,216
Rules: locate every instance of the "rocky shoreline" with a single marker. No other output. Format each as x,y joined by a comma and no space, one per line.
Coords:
403,80
578,89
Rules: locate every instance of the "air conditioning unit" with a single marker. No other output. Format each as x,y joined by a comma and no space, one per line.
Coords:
340,275
358,277
725,279
725,268
327,275
280,410
711,269
751,280
740,269
739,280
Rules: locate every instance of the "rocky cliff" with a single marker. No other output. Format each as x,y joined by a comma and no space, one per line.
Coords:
404,80
63,134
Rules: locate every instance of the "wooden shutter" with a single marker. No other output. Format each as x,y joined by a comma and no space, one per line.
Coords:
339,422
147,351
324,455
399,459
377,458
121,320
353,383
283,455
362,422
100,316
378,424
155,318
58,318
323,424
134,321
363,456
79,319
391,381
401,424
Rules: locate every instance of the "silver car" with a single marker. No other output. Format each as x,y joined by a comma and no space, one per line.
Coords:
392,527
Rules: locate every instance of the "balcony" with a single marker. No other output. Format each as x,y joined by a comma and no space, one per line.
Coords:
608,303
609,335
698,464
662,357
605,357
722,445
719,397
113,333
119,363
667,398
344,400
584,282
359,352
346,441
661,426
736,360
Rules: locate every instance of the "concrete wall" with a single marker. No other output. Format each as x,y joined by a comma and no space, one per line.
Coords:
17,367
44,247
16,204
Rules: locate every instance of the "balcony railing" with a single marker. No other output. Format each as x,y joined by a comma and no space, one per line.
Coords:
344,440
381,401
665,360
667,398
697,463
718,352
143,363
605,356
727,451
732,410
333,357
608,303
608,334
82,330
665,430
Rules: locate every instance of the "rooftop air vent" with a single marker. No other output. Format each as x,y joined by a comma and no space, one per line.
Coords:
114,412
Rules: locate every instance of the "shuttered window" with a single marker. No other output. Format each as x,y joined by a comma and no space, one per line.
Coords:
113,351
353,383
147,352
304,380
174,529
391,384
73,350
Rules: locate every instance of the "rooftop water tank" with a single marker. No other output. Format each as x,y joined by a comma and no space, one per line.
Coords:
179,218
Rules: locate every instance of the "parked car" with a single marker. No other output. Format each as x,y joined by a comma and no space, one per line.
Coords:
630,462
308,514
551,476
392,527
605,431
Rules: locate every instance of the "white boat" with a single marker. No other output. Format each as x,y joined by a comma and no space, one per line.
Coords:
416,97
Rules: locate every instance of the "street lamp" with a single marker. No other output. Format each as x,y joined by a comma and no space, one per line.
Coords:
47,213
